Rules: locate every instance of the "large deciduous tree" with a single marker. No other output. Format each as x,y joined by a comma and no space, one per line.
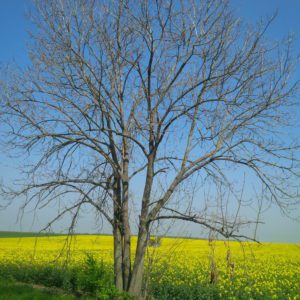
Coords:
164,95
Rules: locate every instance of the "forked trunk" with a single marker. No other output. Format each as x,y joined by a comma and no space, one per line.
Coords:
125,279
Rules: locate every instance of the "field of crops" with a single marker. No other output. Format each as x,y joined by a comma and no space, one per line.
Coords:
177,269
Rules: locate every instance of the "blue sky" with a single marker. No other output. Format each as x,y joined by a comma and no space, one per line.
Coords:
13,31
13,39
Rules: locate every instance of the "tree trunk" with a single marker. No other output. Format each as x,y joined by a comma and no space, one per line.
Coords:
118,274
125,218
126,244
135,287
118,236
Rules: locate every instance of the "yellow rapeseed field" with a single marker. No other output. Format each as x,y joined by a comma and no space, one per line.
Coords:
258,270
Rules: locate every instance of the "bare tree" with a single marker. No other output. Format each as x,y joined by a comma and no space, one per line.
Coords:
168,95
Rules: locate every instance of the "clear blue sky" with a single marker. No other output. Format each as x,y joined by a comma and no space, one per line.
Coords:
13,38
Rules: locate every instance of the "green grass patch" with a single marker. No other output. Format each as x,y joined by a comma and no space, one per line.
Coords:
91,280
16,234
10,290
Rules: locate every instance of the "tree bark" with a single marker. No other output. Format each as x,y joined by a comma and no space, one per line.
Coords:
118,236
125,220
136,283
118,257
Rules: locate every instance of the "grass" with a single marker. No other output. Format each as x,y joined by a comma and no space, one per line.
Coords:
15,234
10,290
91,280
